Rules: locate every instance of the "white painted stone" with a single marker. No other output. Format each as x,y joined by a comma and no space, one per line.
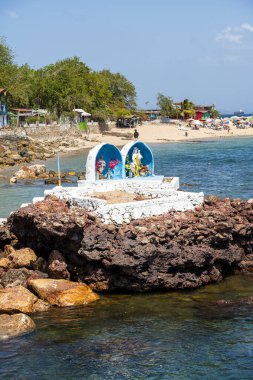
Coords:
162,199
37,199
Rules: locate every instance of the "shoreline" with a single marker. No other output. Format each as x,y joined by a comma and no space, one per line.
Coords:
121,141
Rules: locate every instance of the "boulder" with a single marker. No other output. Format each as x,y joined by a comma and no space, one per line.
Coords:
62,292
15,325
13,180
25,173
5,263
14,277
38,169
24,257
57,267
40,306
16,299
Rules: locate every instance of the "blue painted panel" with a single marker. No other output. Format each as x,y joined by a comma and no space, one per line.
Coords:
108,163
139,161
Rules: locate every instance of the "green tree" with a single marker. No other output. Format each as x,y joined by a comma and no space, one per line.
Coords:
187,108
165,104
6,54
122,89
62,86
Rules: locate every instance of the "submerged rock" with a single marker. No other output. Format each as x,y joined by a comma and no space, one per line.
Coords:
62,292
15,325
16,299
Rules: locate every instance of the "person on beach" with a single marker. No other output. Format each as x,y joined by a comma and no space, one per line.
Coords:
136,134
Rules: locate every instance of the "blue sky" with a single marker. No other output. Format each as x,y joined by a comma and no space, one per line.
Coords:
196,49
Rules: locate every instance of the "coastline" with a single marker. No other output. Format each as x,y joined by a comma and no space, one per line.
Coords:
150,133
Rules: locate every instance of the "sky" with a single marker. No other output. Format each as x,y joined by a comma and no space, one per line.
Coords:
196,49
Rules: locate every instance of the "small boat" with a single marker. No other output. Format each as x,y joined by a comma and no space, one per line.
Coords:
239,113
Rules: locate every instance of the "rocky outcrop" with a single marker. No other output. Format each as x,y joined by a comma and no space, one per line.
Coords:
62,292
177,250
14,325
32,171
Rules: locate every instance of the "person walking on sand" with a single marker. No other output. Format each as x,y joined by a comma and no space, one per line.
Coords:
136,134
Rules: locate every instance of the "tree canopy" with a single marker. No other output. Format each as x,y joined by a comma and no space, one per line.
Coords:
65,85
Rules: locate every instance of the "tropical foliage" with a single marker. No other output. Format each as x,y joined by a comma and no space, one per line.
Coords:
65,85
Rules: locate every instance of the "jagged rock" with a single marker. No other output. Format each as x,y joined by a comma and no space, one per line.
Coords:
40,264
16,299
24,257
15,325
177,250
5,236
15,277
62,292
57,267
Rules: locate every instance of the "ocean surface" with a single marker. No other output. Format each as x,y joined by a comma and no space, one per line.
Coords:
223,167
177,335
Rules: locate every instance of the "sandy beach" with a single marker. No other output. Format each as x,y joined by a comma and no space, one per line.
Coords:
162,133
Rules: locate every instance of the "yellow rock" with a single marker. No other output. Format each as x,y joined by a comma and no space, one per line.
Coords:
14,325
5,263
16,299
62,292
24,257
40,306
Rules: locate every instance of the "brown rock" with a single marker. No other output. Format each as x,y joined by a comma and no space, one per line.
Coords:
15,325
62,292
40,306
14,277
40,264
16,299
57,267
20,258
25,173
5,263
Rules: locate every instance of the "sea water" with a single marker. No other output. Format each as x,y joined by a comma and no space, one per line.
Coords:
222,167
173,335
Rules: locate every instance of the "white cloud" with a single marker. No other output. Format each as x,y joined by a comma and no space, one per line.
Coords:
12,14
247,27
230,34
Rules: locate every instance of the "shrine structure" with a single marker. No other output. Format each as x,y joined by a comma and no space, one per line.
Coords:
121,186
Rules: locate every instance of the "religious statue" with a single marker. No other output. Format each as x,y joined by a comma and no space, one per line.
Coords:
136,159
100,166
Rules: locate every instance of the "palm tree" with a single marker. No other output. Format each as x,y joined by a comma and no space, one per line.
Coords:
187,108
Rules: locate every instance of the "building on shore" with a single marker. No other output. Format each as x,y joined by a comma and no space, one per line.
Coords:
21,115
152,114
203,112
4,95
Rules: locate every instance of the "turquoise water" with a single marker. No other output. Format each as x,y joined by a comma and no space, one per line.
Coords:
221,167
177,335
174,335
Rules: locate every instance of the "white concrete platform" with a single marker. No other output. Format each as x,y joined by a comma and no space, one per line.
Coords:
162,197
